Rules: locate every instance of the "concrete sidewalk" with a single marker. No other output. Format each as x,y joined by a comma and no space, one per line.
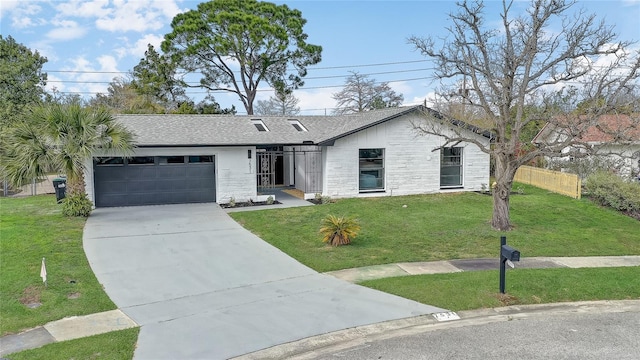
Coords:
66,329
83,326
356,275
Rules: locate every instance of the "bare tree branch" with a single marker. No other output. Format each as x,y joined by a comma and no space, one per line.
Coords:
512,79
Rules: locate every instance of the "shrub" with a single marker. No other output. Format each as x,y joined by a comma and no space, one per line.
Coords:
76,205
339,230
270,200
610,190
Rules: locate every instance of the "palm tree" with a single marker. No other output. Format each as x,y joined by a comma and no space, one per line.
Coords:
61,137
339,230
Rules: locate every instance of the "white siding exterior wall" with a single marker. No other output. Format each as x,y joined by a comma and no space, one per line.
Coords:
235,172
627,155
410,164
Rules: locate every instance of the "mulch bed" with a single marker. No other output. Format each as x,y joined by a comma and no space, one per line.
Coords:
248,204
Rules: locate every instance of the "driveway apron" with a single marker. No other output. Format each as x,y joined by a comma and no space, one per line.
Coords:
203,287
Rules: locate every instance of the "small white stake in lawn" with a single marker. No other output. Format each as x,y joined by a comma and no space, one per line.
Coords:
43,273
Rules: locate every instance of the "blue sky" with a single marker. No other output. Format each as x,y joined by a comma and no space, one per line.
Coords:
88,43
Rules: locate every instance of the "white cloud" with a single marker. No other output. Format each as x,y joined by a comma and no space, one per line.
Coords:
54,82
138,49
21,13
80,8
91,76
315,101
429,97
107,63
65,30
8,6
137,15
122,15
141,44
401,87
44,48
21,22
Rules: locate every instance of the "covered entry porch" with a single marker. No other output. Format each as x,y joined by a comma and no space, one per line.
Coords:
298,167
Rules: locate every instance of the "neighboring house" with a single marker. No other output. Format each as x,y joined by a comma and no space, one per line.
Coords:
614,138
217,158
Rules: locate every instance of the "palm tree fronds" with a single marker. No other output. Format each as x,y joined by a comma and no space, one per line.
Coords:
339,230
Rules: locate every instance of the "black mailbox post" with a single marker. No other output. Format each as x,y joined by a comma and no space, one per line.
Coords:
507,253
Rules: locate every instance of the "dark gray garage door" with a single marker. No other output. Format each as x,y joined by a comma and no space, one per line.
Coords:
154,180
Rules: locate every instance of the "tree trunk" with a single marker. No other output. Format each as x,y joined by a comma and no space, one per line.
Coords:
75,183
338,240
504,173
500,220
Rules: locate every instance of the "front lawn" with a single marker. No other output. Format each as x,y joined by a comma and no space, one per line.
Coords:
446,226
32,228
475,290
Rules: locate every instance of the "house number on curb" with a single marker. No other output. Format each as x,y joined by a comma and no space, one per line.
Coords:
446,316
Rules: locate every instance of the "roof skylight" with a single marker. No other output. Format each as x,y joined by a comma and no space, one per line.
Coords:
297,125
259,125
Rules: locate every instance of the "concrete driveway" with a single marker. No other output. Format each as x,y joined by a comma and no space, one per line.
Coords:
203,287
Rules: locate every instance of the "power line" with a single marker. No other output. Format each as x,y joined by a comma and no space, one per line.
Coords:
306,78
367,65
85,72
308,68
259,90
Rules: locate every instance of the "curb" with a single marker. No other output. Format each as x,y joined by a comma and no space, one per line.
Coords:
330,343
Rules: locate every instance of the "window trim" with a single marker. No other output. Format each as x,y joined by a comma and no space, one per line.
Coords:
200,162
141,164
380,169
97,163
460,166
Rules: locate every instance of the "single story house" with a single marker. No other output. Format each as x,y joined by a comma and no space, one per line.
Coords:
613,139
220,158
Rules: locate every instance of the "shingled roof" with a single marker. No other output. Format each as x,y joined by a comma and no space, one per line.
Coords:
607,129
153,130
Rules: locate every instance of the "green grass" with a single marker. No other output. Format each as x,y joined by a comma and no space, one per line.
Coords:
32,228
475,290
431,227
115,345
446,226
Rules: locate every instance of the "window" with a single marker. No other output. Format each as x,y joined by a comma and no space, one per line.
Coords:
141,160
200,159
259,125
297,125
371,175
168,160
451,167
109,161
